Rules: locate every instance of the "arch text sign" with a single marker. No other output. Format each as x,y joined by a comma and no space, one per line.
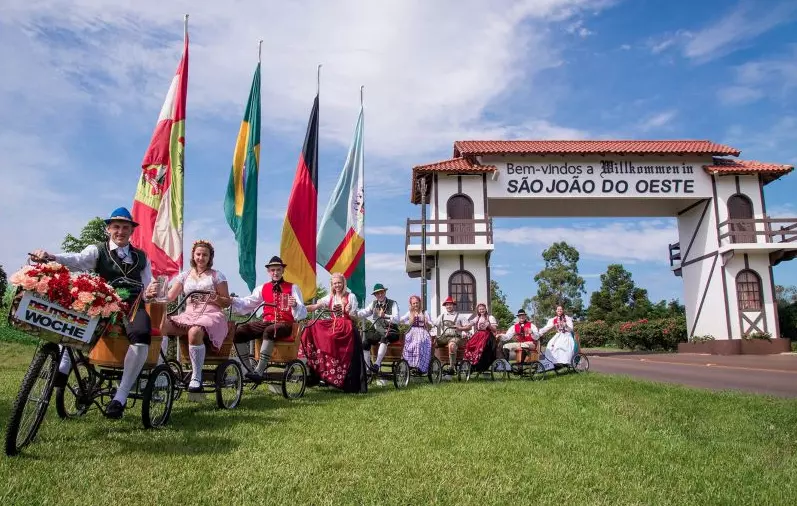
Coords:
605,177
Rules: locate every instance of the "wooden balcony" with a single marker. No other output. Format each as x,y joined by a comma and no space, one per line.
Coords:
449,236
758,230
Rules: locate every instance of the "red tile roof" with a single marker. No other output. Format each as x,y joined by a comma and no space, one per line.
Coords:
476,148
454,165
770,171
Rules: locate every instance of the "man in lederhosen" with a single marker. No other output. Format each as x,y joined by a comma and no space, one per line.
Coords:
277,321
451,327
384,313
122,266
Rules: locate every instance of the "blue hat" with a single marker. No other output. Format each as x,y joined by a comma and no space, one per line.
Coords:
121,214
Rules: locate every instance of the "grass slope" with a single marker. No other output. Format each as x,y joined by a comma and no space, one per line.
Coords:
586,439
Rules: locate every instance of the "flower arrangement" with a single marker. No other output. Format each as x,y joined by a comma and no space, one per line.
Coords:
81,292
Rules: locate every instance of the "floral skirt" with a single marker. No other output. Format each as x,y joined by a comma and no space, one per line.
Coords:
334,354
480,350
211,319
418,348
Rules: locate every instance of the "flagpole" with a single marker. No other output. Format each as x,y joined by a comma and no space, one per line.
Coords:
318,80
259,49
185,27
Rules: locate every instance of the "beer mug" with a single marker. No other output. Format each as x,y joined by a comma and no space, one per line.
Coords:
162,295
282,302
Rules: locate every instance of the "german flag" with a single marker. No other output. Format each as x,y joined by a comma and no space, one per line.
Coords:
298,245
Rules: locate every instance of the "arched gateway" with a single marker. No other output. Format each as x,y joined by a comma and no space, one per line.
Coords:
727,244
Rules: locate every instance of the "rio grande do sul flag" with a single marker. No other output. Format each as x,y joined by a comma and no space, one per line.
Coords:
341,238
158,204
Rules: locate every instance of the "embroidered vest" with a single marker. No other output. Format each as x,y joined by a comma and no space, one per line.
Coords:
387,305
271,313
519,332
119,274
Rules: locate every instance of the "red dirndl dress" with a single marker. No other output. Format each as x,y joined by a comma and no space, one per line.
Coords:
333,353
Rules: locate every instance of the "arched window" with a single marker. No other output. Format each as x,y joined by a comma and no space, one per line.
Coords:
748,290
740,207
460,207
462,287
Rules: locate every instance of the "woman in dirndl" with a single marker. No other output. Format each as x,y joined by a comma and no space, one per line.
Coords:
332,347
480,349
417,341
203,319
562,346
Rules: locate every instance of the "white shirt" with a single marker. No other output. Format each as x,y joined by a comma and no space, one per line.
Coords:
392,313
351,298
207,282
510,333
86,260
242,305
408,315
476,318
548,326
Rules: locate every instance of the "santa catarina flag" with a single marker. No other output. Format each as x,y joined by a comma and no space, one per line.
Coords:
341,239
240,204
158,204
298,245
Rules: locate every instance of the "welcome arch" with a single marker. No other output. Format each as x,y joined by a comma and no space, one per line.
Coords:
726,247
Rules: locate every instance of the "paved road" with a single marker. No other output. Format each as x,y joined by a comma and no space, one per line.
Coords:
773,375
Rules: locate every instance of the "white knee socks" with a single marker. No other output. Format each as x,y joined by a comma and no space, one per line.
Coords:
380,354
134,361
367,356
265,355
164,349
244,355
197,353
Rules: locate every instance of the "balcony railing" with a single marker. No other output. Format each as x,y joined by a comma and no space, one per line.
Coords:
675,257
748,231
452,231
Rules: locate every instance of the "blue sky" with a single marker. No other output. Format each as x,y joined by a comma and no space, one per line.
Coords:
83,85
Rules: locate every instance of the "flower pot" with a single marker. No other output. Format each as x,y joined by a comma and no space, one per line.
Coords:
765,346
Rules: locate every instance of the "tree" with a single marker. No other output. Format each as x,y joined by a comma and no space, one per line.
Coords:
558,283
786,297
618,298
3,284
92,233
499,308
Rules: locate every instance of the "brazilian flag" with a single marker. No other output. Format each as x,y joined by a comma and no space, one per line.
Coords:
240,204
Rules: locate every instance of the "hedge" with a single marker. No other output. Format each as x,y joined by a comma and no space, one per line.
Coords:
659,334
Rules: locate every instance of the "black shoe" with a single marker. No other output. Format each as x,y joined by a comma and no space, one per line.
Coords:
254,376
374,368
196,390
114,410
60,379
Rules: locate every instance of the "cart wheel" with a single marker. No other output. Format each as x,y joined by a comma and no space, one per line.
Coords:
580,363
401,374
435,373
179,378
32,400
73,400
158,397
229,384
536,371
499,370
294,380
463,373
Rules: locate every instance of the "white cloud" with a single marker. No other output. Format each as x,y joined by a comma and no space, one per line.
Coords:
625,47
775,142
385,230
658,120
764,78
385,261
578,28
744,23
642,241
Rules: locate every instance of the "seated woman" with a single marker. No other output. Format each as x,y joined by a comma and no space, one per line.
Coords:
417,341
203,322
562,346
331,347
480,349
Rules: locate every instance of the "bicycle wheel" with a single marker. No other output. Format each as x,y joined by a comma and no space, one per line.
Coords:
32,400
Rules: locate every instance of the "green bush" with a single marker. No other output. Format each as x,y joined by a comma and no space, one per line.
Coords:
594,334
661,334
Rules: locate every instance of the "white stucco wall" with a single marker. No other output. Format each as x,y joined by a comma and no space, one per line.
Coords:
748,186
448,264
448,186
760,264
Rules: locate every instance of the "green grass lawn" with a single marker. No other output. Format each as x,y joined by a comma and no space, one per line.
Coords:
574,439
